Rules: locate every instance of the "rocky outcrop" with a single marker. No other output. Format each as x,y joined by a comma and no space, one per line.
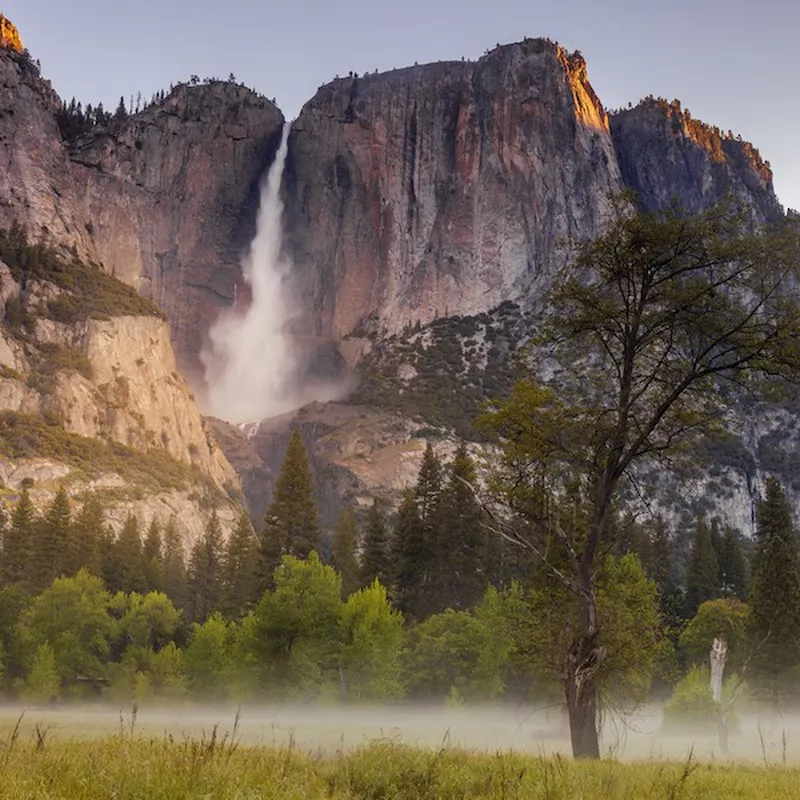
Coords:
9,36
36,184
172,194
665,156
443,189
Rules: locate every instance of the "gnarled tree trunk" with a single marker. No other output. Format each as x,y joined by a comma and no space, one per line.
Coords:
580,674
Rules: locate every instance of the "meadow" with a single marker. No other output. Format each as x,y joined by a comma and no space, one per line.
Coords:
304,752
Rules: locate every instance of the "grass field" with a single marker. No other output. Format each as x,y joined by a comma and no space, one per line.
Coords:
345,753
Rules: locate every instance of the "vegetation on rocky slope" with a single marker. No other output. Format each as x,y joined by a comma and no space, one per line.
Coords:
29,436
87,291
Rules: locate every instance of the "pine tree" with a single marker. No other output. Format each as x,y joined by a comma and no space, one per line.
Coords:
174,566
86,536
375,552
428,499
775,592
408,558
732,566
241,570
459,569
345,546
702,580
290,525
18,543
127,574
51,542
152,558
205,572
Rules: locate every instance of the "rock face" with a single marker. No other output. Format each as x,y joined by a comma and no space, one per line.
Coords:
665,155
171,194
9,36
443,189
36,183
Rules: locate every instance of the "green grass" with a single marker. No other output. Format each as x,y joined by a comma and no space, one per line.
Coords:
215,766
28,436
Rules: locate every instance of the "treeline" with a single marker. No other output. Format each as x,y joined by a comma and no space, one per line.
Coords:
429,603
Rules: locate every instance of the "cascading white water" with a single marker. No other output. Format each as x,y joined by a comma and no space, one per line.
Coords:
249,362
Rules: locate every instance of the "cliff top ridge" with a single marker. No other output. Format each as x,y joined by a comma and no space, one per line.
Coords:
9,35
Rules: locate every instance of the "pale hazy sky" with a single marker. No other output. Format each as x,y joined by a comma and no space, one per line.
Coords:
733,63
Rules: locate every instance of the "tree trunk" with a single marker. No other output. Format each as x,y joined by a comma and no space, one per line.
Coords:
580,684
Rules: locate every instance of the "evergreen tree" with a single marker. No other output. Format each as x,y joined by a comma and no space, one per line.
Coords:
408,558
460,569
428,499
375,552
86,535
152,558
345,546
702,580
241,569
174,566
127,574
205,572
51,543
18,542
291,526
775,592
121,112
732,566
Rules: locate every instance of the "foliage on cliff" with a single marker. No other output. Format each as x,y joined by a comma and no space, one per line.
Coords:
88,292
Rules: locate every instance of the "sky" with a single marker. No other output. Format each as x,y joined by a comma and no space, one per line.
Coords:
732,63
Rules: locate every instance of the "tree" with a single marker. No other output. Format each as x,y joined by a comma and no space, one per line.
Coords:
241,580
702,580
345,545
291,526
174,565
375,552
208,658
205,572
649,321
775,593
408,558
72,617
462,567
51,542
43,683
296,626
152,558
125,572
732,565
725,617
18,541
371,635
88,528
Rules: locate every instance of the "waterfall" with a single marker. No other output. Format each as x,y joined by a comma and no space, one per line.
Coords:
248,361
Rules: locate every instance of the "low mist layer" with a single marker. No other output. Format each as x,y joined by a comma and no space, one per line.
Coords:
762,738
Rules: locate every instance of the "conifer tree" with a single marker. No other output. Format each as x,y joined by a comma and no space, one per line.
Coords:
18,543
127,574
428,498
205,572
241,569
345,546
702,580
408,558
152,558
291,526
459,568
174,565
774,621
86,536
732,565
51,542
375,552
